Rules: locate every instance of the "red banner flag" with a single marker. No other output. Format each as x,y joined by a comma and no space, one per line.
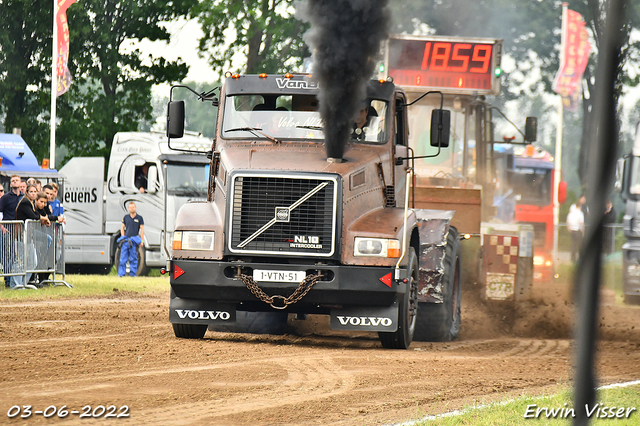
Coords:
574,59
62,51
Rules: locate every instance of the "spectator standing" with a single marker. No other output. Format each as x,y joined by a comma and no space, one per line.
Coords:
585,208
26,209
53,213
23,187
56,205
575,225
1,195
132,225
9,201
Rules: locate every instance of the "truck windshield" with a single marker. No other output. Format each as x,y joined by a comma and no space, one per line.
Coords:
187,179
533,185
290,117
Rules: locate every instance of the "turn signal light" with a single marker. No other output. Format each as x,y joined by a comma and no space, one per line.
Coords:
288,75
262,75
177,241
394,250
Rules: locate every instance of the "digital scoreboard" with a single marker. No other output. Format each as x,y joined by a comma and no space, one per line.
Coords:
453,65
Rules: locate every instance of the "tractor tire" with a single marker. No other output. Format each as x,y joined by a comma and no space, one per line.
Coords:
189,331
403,336
440,322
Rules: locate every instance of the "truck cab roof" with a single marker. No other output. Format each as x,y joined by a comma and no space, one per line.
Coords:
302,84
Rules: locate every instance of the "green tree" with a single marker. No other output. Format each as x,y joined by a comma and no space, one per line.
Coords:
265,32
111,90
112,80
25,64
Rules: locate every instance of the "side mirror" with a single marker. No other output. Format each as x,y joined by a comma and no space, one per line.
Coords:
619,172
152,180
562,192
531,129
175,119
440,127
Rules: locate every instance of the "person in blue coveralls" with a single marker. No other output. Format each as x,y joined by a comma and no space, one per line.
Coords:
132,225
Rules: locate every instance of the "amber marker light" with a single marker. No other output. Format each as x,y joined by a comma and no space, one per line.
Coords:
382,81
235,76
177,241
288,75
394,250
262,75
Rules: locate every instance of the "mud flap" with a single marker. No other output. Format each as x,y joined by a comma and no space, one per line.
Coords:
189,311
366,318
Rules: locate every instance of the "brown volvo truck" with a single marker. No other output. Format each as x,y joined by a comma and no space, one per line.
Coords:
286,229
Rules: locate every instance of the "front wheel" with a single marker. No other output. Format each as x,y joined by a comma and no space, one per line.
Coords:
440,322
403,336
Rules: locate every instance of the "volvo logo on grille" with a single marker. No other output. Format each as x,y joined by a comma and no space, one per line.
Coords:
282,214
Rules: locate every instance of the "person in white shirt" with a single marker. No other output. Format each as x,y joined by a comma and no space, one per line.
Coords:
575,225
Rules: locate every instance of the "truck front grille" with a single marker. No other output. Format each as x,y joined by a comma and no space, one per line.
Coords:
283,215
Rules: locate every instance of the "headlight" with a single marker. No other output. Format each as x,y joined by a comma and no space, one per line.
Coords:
193,240
633,271
540,261
376,247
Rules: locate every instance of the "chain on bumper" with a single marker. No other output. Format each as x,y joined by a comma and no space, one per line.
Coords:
304,288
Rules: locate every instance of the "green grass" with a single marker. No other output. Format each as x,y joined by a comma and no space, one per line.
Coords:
91,285
512,412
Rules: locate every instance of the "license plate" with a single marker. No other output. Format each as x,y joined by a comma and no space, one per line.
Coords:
279,276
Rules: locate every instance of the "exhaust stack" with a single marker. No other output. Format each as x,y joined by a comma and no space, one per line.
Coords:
345,38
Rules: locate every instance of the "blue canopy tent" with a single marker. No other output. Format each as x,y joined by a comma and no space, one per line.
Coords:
16,158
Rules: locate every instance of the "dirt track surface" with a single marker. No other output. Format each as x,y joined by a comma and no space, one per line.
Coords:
121,351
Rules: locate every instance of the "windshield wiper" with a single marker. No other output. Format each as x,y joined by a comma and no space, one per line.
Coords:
311,128
255,131
189,191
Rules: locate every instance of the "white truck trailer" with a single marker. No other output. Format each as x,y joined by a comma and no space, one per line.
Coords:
95,204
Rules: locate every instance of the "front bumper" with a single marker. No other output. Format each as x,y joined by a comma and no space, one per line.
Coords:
341,286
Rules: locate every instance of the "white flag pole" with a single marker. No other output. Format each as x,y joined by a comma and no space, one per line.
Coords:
54,88
558,157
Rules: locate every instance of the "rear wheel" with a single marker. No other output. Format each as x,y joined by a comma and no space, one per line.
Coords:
403,336
440,322
189,331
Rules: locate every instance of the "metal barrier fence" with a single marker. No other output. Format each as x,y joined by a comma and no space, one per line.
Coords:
29,248
612,244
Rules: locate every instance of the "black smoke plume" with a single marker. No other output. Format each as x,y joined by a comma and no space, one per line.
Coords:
345,38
